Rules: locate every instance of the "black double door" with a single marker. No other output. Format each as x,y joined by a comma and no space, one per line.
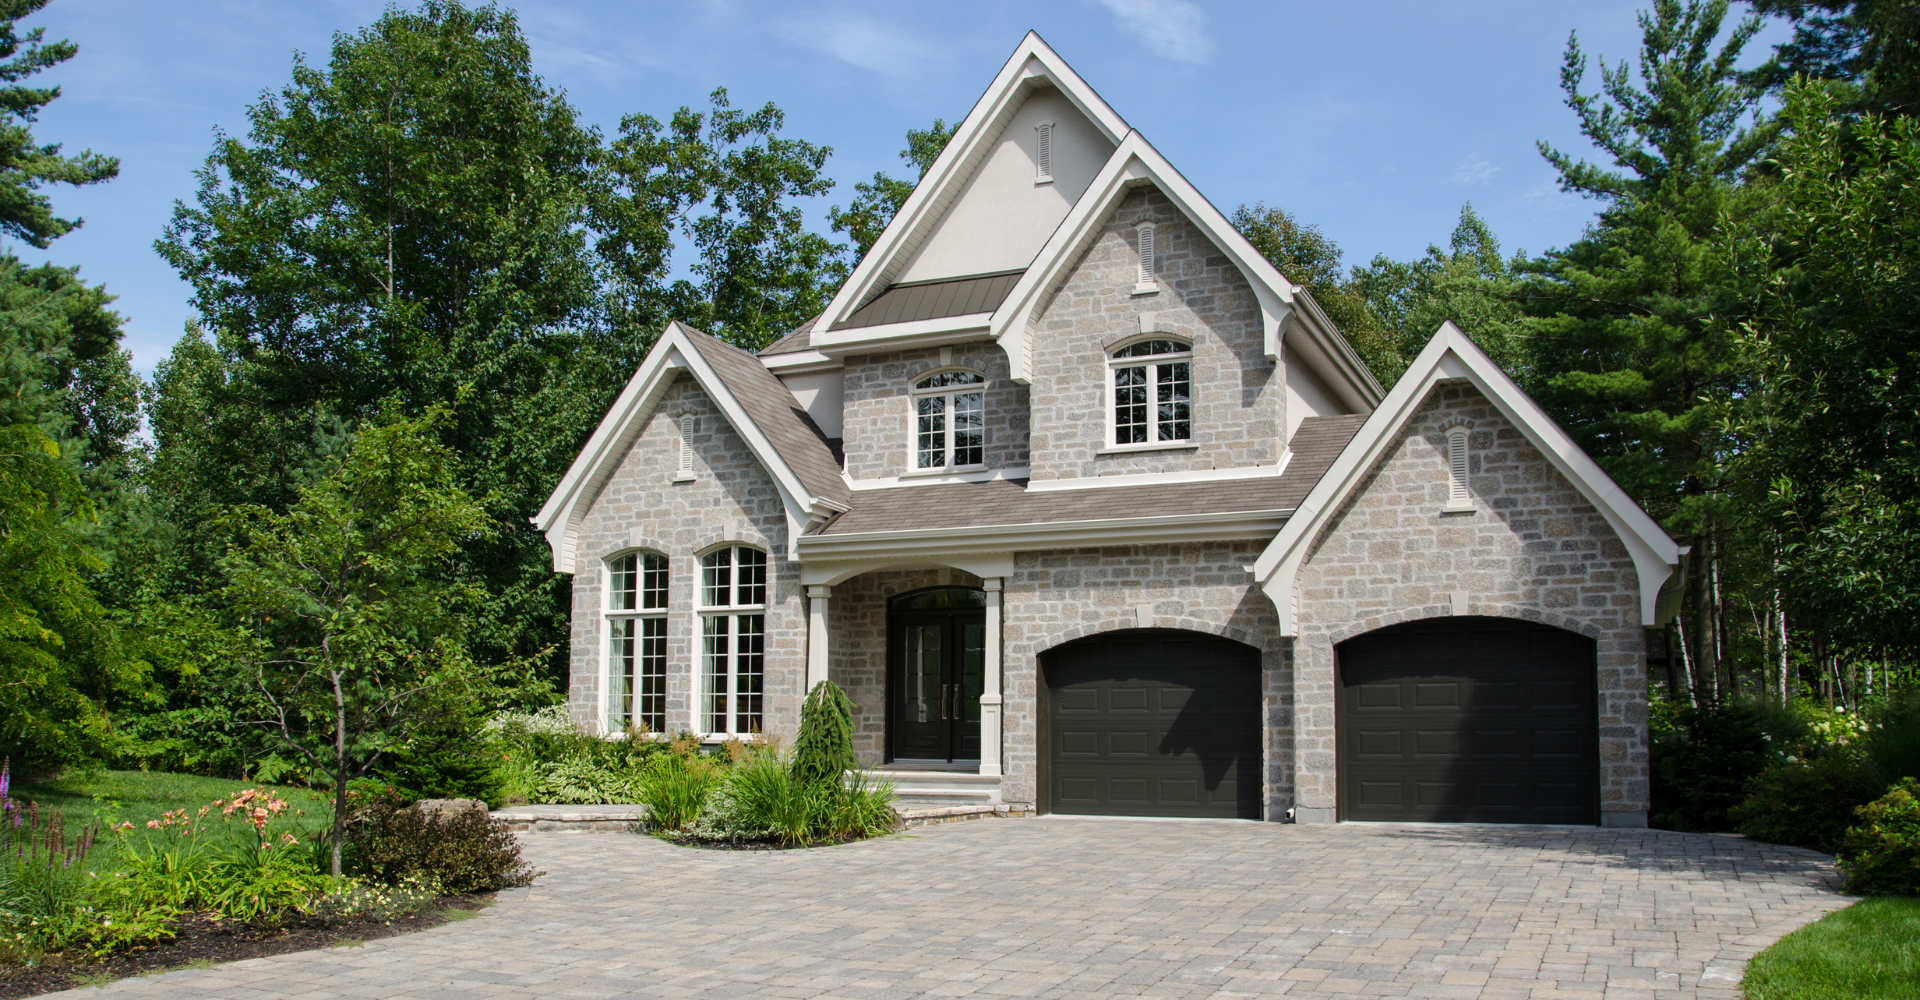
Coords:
938,663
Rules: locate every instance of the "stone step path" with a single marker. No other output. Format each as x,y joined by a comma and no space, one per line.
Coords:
1066,909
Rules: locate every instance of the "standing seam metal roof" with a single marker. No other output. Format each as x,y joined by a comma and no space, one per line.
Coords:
916,300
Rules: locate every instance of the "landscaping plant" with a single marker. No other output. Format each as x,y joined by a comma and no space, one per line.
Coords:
675,788
1881,855
453,852
44,882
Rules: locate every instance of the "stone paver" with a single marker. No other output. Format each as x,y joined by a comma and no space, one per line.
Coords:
1073,909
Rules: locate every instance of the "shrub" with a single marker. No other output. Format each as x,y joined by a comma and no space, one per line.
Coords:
240,857
1806,802
1893,738
772,797
823,752
1703,759
862,809
452,758
675,788
723,818
1881,855
544,756
459,852
44,886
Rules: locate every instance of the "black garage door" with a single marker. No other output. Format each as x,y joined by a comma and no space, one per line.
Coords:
1153,723
1484,720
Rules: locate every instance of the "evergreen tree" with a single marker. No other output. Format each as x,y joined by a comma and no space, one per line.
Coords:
1308,257
25,164
1867,52
1468,283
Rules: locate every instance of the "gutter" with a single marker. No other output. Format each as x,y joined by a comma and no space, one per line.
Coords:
1045,535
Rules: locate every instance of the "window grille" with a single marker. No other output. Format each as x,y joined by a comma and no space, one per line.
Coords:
637,587
1153,393
733,644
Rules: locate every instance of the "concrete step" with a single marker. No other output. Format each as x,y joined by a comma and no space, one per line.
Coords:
939,789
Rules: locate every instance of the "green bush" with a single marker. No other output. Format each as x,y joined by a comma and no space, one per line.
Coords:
1893,738
675,788
242,857
452,758
545,756
458,852
772,797
1806,802
823,753
44,887
1703,759
1881,855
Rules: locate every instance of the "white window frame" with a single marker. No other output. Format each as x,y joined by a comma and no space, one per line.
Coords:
640,619
1152,362
730,619
915,394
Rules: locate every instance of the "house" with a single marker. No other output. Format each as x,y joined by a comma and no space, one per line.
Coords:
1088,506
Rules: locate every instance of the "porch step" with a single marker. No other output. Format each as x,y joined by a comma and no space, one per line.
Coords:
939,789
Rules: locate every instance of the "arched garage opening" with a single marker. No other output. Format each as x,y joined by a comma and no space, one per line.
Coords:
1153,722
1484,720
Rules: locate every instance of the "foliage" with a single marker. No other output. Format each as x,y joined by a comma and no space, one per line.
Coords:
823,752
459,852
675,789
545,757
358,899
1863,51
43,876
354,623
1881,854
1807,801
1869,949
876,202
1703,760
239,857
1308,257
449,757
26,165
138,796
1468,284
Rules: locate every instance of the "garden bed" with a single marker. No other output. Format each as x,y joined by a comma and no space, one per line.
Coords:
203,942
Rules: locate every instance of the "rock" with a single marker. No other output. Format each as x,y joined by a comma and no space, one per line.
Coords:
436,808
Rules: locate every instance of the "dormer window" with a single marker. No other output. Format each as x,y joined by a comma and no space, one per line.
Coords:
1152,393
1043,153
949,421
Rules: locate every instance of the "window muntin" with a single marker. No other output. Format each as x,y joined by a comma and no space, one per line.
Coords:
637,642
733,645
949,420
1152,392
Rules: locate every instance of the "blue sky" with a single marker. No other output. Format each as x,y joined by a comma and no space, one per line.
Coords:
1375,121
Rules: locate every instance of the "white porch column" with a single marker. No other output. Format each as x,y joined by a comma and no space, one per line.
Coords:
817,634
990,688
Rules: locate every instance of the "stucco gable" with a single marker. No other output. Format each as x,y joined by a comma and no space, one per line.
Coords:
1452,355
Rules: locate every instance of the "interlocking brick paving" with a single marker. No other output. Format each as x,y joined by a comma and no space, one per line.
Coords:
1072,909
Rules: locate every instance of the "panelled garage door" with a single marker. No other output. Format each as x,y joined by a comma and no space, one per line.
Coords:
1153,723
1485,720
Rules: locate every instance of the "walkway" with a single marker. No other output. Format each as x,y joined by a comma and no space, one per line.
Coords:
1075,909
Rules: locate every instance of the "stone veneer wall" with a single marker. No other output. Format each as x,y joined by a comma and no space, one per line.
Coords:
1057,596
857,649
1238,395
1533,548
877,413
730,499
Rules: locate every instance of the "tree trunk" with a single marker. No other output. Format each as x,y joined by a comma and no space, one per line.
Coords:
339,772
1705,638
1780,622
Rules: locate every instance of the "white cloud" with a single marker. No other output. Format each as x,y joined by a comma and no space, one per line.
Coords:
859,40
1173,29
1474,170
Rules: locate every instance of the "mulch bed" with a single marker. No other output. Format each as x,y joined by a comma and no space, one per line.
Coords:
744,845
199,940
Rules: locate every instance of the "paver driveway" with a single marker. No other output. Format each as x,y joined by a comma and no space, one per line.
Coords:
1085,908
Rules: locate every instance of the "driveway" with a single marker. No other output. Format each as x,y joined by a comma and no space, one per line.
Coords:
1095,908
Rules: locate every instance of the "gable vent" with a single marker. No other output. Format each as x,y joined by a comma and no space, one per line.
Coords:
1043,158
683,469
1148,265
1457,495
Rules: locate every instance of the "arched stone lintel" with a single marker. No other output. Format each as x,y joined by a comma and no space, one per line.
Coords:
1518,611
1181,623
982,565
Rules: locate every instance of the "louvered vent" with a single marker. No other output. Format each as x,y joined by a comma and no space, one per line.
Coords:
1148,265
1457,496
686,445
1044,157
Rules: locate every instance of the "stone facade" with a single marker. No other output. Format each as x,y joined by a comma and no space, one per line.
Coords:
1238,394
730,499
1532,548
877,416
857,617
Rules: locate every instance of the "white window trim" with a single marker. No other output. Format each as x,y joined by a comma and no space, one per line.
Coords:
1043,152
915,394
731,612
1112,446
1459,450
683,453
610,614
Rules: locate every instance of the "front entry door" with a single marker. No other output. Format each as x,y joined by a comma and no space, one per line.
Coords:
937,659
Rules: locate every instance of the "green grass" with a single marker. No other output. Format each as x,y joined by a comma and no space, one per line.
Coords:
1867,951
144,795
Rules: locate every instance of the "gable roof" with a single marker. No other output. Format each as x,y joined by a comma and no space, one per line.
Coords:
754,402
1033,64
794,341
1291,321
1452,355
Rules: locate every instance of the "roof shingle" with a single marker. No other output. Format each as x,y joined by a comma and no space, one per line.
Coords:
773,409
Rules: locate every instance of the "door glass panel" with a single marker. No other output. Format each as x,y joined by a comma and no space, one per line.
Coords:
923,688
973,669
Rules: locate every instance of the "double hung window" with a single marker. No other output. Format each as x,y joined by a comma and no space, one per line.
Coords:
733,637
1152,393
637,642
949,421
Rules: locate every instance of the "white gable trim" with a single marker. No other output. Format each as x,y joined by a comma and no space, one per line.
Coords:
559,519
1449,355
1033,64
1288,318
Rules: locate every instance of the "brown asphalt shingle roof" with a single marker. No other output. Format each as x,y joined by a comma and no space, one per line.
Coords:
799,339
1316,443
773,409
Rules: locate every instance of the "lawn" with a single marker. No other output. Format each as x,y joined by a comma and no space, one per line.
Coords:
1867,951
144,795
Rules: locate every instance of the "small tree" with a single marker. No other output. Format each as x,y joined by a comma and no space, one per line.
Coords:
352,600
823,752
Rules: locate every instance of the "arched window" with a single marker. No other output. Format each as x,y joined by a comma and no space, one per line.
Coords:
1152,393
733,638
637,642
949,421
